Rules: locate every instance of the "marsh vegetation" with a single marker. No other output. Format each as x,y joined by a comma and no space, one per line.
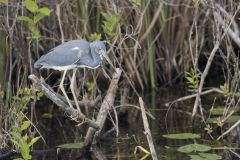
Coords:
180,57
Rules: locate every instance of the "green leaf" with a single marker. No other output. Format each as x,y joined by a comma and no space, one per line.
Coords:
197,157
194,148
231,119
25,18
182,136
39,95
39,17
35,32
25,151
31,5
190,79
89,86
18,159
137,2
95,37
25,138
46,11
210,156
71,146
25,125
218,111
110,23
34,140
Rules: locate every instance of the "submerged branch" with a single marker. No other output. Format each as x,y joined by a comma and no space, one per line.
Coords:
147,130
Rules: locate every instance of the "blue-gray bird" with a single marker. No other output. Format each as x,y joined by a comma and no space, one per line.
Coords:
72,55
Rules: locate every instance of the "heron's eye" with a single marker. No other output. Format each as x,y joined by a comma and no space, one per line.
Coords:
98,50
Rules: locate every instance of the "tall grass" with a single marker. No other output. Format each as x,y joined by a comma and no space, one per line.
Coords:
162,29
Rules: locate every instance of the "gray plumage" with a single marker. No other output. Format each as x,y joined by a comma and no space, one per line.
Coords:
72,54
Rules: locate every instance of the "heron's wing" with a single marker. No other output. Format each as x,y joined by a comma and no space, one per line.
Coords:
87,60
63,55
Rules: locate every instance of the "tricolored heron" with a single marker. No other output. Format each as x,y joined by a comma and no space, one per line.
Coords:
70,56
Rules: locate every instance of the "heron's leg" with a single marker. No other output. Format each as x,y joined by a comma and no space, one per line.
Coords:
72,89
63,90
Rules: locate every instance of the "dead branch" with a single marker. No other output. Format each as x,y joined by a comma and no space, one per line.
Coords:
53,96
229,130
108,102
147,130
193,96
83,103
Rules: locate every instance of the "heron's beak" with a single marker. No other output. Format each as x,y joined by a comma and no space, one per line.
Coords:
104,54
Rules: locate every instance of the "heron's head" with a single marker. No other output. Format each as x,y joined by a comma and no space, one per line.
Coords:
100,48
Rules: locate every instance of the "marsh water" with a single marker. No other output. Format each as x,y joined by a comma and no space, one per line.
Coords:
57,129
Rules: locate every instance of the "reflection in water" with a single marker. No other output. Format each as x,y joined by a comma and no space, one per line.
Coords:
58,130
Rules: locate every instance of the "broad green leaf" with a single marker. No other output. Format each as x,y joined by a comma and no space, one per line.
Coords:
218,111
197,157
25,151
210,156
194,148
95,37
39,17
46,11
182,136
25,138
31,5
25,18
231,119
34,140
25,125
212,120
71,146
137,2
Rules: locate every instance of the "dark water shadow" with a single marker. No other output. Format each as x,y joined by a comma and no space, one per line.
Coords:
59,130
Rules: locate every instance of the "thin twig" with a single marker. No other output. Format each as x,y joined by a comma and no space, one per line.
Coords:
231,128
147,130
58,9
